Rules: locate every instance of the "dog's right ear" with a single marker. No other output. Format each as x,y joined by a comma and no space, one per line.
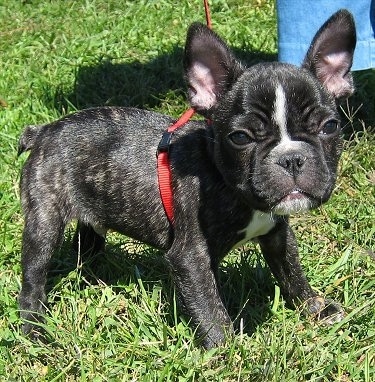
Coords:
210,68
330,55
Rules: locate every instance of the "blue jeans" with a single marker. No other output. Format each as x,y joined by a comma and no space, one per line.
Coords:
299,20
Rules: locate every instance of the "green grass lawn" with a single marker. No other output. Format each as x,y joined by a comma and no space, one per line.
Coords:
115,318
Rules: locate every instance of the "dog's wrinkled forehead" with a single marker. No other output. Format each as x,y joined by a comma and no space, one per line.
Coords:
277,83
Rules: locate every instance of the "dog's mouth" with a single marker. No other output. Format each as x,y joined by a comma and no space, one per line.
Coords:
296,194
296,201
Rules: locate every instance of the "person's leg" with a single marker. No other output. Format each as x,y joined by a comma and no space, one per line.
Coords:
298,20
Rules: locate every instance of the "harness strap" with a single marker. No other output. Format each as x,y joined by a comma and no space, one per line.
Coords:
163,165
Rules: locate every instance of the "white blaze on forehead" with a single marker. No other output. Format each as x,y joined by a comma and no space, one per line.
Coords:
280,112
280,118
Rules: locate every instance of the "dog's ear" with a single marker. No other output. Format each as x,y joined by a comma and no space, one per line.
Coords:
210,68
330,55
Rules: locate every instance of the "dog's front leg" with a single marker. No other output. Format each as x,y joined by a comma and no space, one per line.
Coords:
197,290
280,250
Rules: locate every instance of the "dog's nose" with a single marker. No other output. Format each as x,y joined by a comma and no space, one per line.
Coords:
292,162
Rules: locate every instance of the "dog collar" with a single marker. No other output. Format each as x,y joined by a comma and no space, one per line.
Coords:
163,165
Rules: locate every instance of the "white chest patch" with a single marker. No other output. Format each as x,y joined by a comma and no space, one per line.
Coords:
260,224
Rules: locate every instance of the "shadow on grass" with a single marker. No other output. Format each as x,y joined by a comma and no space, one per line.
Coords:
135,84
245,284
358,112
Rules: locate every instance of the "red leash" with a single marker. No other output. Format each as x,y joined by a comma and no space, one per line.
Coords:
208,16
163,165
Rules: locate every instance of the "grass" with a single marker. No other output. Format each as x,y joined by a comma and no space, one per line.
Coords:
115,318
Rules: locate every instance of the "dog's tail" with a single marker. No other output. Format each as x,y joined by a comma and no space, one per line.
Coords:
28,138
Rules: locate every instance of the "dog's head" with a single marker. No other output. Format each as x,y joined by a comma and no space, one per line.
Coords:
276,126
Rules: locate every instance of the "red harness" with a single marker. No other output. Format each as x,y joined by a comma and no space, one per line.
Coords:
163,165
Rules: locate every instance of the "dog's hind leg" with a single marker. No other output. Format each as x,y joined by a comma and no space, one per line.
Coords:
42,236
88,240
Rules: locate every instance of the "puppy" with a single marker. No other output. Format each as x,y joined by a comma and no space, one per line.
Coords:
271,149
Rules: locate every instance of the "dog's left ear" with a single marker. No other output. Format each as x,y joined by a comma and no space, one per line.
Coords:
330,55
210,68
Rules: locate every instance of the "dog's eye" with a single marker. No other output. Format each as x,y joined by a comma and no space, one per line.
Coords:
240,138
330,127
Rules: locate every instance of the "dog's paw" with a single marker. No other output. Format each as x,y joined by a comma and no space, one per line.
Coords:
35,333
326,311
33,325
215,336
